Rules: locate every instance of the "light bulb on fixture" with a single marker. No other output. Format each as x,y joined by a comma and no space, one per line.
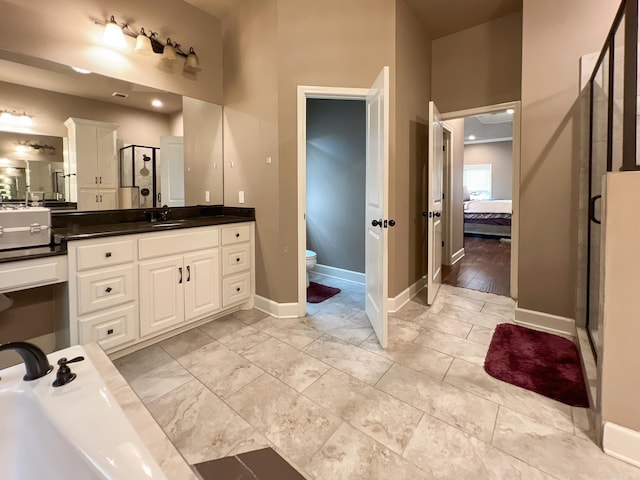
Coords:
192,65
113,36
143,44
22,149
510,111
169,51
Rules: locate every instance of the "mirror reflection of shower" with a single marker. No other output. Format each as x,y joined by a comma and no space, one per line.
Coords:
139,177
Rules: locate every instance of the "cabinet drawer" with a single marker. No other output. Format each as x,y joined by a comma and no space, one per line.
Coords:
236,288
110,329
176,243
105,288
236,234
105,254
236,259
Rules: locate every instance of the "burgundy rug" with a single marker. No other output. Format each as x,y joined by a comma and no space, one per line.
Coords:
538,361
317,293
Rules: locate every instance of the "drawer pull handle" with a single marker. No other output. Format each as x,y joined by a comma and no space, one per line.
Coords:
188,273
238,289
237,235
108,289
108,254
180,272
238,259
110,331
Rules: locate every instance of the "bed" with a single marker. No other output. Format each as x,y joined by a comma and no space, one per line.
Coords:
488,217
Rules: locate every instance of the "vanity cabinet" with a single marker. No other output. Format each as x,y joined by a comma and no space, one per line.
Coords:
92,164
131,289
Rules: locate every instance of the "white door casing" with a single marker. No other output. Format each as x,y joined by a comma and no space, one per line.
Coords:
435,171
376,206
172,171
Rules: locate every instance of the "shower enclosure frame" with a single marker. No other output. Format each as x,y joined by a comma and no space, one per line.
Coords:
154,182
627,16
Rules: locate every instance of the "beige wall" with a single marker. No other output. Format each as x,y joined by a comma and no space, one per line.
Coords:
407,189
251,128
64,31
552,45
457,212
500,156
50,110
619,360
479,66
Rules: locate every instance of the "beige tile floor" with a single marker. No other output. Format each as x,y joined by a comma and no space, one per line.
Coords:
323,393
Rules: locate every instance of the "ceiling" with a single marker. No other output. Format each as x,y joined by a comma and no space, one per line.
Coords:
488,126
441,17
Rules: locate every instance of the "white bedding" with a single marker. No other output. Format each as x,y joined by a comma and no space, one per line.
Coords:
488,206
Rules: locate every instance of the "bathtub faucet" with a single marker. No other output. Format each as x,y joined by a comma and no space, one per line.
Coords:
35,360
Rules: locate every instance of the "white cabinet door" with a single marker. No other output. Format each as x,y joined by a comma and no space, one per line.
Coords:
108,200
106,156
202,283
89,199
161,284
86,155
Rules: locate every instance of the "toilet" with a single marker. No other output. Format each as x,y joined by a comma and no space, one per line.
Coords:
312,259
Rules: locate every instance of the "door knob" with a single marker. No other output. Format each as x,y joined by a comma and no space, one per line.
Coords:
392,223
425,214
376,223
437,214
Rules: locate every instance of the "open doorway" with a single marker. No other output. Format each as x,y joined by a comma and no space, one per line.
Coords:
486,175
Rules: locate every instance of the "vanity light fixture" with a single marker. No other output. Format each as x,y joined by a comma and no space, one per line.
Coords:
15,118
148,44
143,43
113,35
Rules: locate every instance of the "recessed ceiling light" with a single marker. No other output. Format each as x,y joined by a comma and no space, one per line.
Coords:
156,103
81,70
471,137
510,111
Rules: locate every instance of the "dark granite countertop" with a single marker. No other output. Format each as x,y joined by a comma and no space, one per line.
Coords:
75,225
84,225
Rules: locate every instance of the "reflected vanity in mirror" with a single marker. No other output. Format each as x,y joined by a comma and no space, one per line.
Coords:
31,166
102,143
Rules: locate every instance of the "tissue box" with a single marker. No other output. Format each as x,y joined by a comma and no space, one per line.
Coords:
24,227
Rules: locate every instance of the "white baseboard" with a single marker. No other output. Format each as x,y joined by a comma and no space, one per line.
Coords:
545,322
456,257
341,273
278,310
396,303
621,443
47,344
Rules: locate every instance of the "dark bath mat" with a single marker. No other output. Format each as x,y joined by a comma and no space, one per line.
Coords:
263,464
541,362
317,293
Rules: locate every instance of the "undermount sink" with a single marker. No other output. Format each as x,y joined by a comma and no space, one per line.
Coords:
169,223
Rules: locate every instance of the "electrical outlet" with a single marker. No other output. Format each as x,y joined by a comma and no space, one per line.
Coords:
207,196
268,159
241,196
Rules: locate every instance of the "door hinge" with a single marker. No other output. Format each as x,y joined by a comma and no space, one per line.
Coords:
443,243
443,196
444,148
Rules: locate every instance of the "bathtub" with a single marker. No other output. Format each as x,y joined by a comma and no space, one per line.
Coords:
77,431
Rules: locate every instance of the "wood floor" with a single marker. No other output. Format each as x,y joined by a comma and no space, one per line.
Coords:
485,266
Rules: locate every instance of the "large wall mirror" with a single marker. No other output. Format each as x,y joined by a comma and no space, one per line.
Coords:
55,140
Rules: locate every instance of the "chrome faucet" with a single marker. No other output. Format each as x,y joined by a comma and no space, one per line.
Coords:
35,360
164,213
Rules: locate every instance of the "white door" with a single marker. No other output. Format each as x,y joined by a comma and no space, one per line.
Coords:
202,285
376,214
172,171
161,294
434,204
